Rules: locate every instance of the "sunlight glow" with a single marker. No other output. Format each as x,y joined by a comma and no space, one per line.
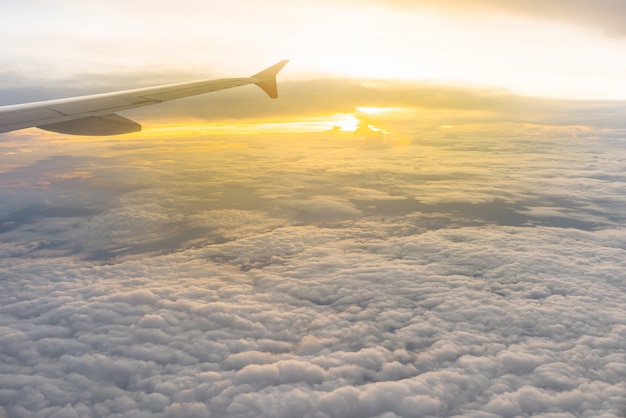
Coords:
433,41
377,110
338,123
346,123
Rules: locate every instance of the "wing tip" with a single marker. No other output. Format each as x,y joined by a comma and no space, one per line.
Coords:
267,78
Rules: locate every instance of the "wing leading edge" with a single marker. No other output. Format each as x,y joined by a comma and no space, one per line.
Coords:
96,114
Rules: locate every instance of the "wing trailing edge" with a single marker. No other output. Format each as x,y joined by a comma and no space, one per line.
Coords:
94,126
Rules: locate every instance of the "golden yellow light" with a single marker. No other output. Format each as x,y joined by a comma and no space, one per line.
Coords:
369,110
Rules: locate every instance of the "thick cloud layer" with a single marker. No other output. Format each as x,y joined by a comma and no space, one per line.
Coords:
314,277
444,323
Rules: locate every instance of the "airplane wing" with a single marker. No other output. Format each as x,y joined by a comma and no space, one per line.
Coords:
96,114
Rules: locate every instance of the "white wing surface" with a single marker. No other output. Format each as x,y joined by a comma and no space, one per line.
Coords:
96,114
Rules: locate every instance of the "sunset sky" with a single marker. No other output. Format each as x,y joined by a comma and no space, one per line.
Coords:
428,221
491,56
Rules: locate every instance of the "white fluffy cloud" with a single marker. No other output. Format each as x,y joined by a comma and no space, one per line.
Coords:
206,287
501,320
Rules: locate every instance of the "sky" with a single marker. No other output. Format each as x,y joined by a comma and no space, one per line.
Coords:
428,221
556,62
557,48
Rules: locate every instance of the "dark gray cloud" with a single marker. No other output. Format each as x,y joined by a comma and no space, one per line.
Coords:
473,275
610,15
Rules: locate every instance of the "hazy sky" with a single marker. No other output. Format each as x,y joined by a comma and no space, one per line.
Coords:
554,48
429,63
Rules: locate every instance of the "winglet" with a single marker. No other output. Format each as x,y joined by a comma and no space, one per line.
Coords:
268,78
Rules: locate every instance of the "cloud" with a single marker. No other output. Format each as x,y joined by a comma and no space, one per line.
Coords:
323,208
457,276
416,105
605,14
444,323
419,105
